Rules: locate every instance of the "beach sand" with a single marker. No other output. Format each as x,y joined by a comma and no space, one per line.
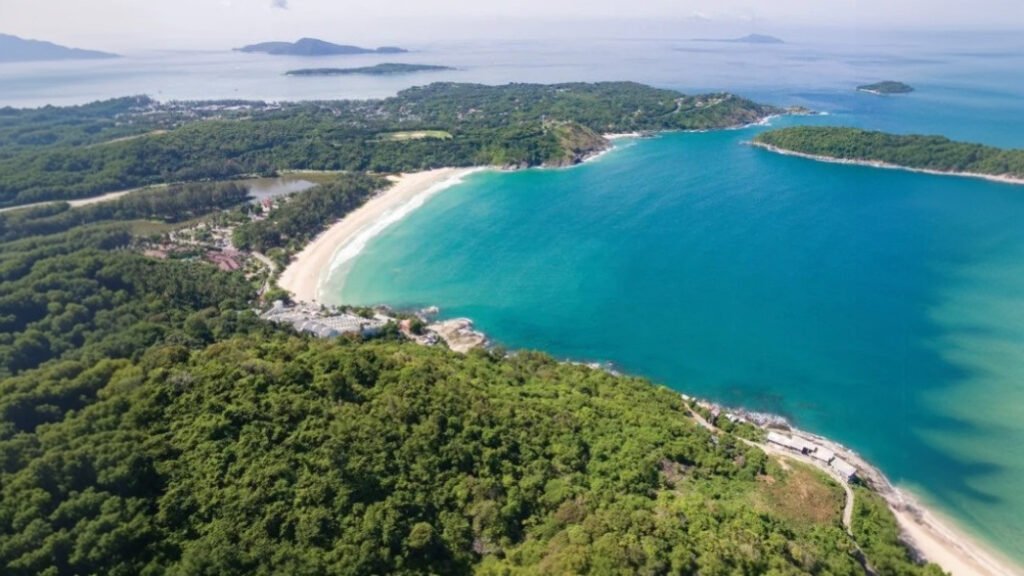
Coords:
935,538
307,271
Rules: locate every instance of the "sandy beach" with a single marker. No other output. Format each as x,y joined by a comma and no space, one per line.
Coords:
933,537
888,166
307,271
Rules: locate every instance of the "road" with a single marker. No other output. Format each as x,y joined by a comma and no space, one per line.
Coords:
782,453
82,201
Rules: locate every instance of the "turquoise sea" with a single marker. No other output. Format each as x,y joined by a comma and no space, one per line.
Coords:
882,308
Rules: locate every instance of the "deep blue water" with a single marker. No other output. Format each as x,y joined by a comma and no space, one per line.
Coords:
882,308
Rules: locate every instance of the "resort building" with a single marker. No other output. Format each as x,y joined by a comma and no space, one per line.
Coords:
845,469
312,322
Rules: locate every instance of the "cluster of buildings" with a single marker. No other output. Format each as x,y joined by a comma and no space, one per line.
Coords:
796,444
325,324
205,241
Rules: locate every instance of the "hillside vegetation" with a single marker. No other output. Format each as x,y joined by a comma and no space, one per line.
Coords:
513,125
910,151
151,423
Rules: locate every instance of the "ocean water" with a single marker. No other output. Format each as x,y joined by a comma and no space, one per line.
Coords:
882,308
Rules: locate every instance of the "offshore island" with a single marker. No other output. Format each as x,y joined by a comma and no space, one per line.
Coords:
928,154
142,388
886,87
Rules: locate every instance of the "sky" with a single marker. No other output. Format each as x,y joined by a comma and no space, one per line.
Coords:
220,24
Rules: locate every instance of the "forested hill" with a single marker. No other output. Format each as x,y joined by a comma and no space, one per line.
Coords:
909,151
171,433
150,423
514,125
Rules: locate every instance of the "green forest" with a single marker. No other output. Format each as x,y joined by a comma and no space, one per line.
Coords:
909,151
57,154
151,423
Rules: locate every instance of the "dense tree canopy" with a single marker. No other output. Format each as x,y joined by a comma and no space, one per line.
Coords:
518,124
910,151
151,424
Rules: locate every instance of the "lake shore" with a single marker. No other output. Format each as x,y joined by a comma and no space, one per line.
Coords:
887,165
305,275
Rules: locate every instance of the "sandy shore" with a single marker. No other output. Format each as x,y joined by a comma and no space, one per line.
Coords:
931,536
307,271
888,166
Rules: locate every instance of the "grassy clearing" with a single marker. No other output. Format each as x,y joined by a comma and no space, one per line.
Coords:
416,135
798,493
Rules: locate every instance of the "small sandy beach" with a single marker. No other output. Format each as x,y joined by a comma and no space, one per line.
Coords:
306,272
936,538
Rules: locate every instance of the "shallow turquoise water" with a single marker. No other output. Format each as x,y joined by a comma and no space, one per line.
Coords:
882,308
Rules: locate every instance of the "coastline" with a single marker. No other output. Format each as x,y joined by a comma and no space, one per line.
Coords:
928,533
886,165
305,274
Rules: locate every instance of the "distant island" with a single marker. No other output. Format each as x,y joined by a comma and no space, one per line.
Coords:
931,154
315,47
386,69
748,39
15,49
886,87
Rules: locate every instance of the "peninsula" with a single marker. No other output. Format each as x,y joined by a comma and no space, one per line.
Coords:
385,69
930,154
515,126
15,49
886,87
315,47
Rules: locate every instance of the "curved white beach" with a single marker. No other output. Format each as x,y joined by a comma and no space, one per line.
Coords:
306,273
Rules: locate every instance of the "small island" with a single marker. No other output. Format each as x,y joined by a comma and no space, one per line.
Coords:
15,49
315,47
386,69
930,154
885,88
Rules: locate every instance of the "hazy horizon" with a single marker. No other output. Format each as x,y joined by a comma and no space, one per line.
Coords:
123,25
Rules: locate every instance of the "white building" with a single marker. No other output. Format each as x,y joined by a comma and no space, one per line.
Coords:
845,469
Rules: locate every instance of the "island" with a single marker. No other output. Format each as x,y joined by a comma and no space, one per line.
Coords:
931,154
886,87
315,47
385,69
748,39
15,49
